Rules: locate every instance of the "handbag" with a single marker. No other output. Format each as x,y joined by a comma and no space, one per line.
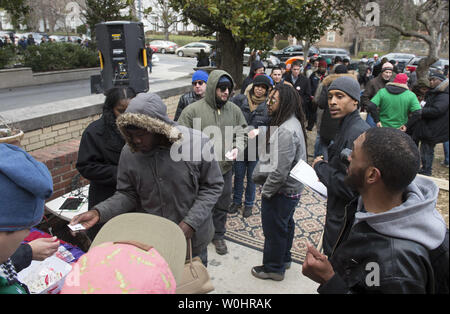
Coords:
195,278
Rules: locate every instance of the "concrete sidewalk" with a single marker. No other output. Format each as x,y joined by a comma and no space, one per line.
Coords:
231,274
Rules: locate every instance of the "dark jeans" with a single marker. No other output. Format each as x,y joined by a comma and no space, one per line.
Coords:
446,153
242,168
202,253
220,210
370,121
427,156
278,227
321,147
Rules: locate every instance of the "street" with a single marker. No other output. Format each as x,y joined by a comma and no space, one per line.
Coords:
167,71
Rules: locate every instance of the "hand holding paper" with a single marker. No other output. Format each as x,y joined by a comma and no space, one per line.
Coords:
232,154
305,174
253,133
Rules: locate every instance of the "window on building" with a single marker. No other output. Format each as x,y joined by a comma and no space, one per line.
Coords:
331,36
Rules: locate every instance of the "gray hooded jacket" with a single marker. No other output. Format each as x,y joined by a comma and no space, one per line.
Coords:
181,183
416,219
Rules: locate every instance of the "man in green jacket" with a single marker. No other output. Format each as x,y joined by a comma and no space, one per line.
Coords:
225,124
395,106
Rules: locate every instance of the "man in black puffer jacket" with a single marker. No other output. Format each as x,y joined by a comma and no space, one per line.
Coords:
391,230
199,80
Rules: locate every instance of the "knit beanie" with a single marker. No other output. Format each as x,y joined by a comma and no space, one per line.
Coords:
25,184
322,63
401,78
262,79
348,85
340,69
387,66
200,76
437,75
224,80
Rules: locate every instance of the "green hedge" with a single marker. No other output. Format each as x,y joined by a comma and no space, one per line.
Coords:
282,44
59,56
7,55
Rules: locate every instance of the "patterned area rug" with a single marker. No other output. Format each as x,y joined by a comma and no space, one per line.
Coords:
309,220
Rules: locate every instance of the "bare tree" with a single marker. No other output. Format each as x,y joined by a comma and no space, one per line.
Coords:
167,16
432,17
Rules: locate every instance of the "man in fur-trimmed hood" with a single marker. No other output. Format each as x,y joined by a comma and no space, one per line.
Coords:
166,170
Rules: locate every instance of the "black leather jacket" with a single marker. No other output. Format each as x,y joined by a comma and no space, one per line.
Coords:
184,101
333,173
404,265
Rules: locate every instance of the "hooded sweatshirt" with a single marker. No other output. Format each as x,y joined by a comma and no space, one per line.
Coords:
225,118
166,181
397,242
417,219
394,102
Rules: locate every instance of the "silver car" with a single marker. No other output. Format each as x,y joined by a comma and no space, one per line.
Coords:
191,49
164,46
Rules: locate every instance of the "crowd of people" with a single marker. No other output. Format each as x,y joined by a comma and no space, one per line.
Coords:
371,143
24,42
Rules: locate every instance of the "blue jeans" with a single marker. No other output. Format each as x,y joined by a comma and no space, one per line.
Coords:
278,226
321,148
427,156
370,121
446,153
242,168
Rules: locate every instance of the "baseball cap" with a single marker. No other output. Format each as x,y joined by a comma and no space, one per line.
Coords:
153,239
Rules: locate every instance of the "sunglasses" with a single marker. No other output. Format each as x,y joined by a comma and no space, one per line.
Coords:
199,83
223,88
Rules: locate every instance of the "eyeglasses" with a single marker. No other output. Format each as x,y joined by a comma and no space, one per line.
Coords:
199,83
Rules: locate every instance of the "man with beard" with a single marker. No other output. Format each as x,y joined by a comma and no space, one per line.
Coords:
343,99
391,229
215,111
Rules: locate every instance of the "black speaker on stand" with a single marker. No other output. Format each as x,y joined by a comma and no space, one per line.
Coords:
123,58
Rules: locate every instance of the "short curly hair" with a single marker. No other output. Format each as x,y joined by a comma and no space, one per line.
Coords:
395,154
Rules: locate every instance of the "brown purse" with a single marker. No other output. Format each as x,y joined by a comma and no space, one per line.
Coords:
195,278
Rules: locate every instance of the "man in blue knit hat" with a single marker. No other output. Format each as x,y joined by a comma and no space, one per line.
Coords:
25,184
199,80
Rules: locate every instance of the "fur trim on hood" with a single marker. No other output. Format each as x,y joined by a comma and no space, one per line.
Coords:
148,112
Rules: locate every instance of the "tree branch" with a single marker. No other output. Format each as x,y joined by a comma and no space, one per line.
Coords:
404,32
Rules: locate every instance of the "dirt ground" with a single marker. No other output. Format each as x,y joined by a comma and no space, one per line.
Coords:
439,171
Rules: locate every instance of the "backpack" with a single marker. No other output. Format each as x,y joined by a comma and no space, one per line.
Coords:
439,262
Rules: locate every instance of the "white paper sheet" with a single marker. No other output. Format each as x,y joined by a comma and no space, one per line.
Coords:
307,175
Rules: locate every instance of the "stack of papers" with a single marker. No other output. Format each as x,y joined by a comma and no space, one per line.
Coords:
307,175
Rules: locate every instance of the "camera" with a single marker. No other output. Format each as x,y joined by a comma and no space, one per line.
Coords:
345,154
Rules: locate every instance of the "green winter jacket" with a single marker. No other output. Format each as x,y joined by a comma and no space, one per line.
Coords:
228,117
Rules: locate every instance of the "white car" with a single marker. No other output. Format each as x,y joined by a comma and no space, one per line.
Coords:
191,49
163,46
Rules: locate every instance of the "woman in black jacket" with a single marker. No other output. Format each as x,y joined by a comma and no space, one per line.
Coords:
100,147
254,107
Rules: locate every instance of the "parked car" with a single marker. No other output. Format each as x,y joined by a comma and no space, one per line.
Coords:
333,53
164,46
411,66
270,61
399,56
292,51
191,49
414,62
439,65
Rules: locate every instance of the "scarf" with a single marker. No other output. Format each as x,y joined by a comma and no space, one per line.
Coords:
253,101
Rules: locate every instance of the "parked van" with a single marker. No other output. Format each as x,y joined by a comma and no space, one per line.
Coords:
334,52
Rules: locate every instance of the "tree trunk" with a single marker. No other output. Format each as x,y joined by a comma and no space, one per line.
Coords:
424,63
232,56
